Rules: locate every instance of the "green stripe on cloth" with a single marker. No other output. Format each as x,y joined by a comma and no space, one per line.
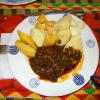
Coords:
2,98
84,1
56,1
32,11
69,4
83,5
56,4
95,5
7,12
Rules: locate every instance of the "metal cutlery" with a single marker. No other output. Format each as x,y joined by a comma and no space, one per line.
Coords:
4,49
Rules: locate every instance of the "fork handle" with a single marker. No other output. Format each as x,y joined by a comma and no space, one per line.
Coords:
3,49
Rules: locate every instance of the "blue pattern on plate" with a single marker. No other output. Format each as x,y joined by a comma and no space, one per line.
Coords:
13,50
90,43
78,79
34,83
32,20
12,1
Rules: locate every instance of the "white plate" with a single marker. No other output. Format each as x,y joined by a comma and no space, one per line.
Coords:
15,2
24,74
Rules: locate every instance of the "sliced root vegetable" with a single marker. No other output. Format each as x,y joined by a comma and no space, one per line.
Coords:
75,42
63,23
64,36
74,31
38,37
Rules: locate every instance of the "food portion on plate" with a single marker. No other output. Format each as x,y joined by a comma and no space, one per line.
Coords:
26,44
54,47
52,62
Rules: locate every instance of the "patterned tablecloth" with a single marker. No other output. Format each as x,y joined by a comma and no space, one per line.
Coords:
10,87
86,5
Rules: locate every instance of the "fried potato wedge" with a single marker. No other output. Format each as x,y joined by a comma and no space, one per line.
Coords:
26,38
50,23
40,26
25,49
42,19
49,40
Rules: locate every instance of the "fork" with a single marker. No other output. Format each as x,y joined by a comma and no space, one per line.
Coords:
4,49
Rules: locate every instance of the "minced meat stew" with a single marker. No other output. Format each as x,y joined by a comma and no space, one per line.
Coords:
51,62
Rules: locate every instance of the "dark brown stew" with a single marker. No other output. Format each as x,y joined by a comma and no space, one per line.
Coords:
51,62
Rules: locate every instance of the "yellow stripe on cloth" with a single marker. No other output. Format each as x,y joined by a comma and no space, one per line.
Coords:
17,7
46,1
1,95
4,7
90,97
97,91
30,7
15,94
58,1
96,9
52,98
35,96
72,97
96,1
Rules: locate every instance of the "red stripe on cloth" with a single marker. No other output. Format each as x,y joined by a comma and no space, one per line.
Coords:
8,23
6,83
8,91
7,86
90,19
19,87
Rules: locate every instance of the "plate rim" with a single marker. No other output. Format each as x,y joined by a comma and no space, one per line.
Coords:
9,3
